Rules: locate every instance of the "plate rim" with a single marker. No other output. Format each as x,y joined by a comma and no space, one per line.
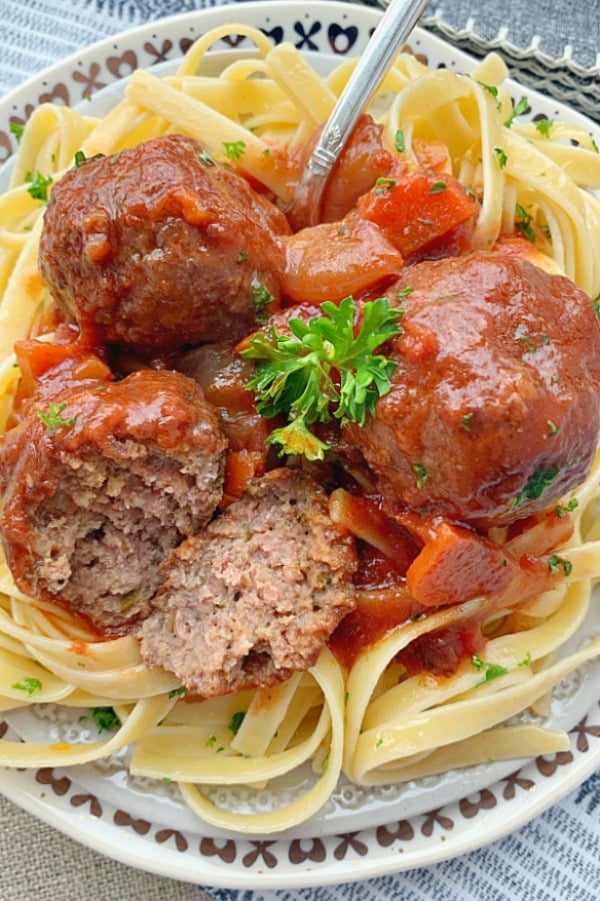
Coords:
136,851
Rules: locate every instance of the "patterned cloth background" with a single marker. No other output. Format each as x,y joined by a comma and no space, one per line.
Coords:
548,44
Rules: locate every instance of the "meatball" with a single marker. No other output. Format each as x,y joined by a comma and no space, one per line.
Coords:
256,596
160,246
102,485
494,409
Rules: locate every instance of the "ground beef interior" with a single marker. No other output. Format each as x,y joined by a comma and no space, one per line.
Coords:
136,468
256,595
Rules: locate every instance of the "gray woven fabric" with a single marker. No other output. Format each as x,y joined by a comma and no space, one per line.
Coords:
37,863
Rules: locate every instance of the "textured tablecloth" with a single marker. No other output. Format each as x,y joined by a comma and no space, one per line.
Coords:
549,44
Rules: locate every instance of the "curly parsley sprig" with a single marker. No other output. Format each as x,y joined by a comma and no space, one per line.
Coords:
326,368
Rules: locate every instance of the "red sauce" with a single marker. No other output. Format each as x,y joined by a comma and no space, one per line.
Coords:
371,621
442,651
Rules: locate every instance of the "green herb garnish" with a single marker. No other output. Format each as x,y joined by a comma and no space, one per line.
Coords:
556,563
324,368
492,91
502,157
262,298
234,149
562,509
52,418
518,110
28,685
544,125
236,721
17,130
437,187
383,185
523,223
491,670
178,692
38,187
536,485
421,474
399,142
106,719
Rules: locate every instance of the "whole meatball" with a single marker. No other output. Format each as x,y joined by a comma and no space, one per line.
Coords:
101,483
494,410
159,246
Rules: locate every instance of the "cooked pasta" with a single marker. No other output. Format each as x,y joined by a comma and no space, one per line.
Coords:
366,715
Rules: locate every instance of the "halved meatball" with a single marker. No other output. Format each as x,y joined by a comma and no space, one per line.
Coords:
101,483
256,596
494,410
160,246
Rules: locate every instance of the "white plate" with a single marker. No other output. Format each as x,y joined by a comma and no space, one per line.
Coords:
361,833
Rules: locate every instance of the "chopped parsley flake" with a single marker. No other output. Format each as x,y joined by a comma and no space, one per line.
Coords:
178,692
544,125
502,157
234,150
563,509
521,107
523,223
261,297
536,485
106,719
437,187
552,428
492,91
399,142
236,721
28,685
17,130
556,563
491,670
467,421
38,187
52,418
421,474
526,660
383,185
242,257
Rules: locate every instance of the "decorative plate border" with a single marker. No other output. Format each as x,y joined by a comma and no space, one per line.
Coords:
320,27
280,862
275,862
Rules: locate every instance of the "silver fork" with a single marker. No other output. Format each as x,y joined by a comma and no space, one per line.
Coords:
395,25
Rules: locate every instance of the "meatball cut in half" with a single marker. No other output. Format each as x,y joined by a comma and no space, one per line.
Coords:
494,409
256,596
102,485
159,246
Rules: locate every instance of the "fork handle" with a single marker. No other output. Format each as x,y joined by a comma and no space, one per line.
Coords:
395,25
